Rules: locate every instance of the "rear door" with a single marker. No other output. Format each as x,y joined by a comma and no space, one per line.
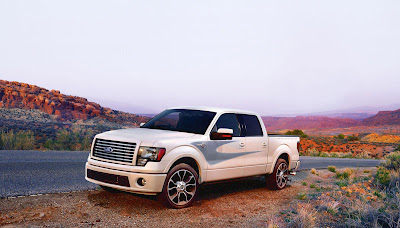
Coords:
256,145
225,157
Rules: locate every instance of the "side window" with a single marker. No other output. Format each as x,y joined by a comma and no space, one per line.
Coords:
252,125
228,121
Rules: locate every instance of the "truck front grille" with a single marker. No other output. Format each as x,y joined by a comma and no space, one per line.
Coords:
114,150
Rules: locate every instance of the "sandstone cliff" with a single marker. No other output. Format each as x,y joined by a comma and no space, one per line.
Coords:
66,107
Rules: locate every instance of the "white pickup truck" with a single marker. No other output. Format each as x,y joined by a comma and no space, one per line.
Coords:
183,147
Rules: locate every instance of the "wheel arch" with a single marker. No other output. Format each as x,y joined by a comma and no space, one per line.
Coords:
281,152
190,156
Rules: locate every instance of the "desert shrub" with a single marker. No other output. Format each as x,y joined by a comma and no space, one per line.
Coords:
347,172
313,171
304,183
312,152
392,161
302,196
312,185
297,132
398,148
382,176
324,154
342,183
305,217
363,155
22,140
353,138
340,136
75,139
332,168
334,155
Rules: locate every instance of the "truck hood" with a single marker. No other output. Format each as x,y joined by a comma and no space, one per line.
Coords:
142,135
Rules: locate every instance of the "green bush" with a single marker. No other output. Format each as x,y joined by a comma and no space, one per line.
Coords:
340,136
70,140
383,176
297,132
345,175
398,148
302,196
392,161
22,140
332,168
353,138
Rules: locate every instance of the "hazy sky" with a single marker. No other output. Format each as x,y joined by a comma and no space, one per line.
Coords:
272,57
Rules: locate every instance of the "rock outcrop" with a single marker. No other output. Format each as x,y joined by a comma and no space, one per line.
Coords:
66,107
383,118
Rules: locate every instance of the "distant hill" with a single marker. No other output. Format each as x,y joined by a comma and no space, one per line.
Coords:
355,116
383,118
64,107
308,122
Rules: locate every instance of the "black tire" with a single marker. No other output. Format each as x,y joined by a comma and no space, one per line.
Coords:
278,179
180,187
108,189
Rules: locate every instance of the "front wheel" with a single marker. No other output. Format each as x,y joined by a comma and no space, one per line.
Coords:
180,186
279,178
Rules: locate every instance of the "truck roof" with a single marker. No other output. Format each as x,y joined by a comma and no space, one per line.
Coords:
215,109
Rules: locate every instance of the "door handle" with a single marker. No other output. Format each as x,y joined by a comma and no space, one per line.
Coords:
264,144
242,144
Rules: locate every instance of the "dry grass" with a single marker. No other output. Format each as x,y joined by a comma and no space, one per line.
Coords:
350,198
305,218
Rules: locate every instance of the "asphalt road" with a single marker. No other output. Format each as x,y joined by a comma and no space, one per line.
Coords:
37,172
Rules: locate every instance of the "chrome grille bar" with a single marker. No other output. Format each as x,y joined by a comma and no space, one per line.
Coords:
114,150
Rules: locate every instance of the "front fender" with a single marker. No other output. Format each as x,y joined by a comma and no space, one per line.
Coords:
189,152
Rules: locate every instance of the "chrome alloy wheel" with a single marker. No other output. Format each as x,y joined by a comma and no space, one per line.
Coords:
282,175
181,187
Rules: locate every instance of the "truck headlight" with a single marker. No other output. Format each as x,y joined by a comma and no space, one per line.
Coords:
146,154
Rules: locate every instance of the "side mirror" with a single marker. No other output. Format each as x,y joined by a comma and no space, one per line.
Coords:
141,124
222,134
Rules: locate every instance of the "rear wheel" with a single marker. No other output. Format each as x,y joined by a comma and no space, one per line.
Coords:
180,186
279,178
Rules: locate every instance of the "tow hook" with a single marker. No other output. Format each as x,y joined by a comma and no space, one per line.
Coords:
292,172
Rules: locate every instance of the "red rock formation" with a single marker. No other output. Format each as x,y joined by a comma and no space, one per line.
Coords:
26,96
383,118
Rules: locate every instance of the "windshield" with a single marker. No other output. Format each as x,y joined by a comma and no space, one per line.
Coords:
184,120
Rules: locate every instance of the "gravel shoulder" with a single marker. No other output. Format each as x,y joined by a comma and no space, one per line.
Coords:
235,204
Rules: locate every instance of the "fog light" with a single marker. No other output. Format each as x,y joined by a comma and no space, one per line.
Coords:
141,182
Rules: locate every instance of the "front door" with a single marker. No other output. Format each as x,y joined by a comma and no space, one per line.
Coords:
224,157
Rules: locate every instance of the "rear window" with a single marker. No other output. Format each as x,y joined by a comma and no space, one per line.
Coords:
251,124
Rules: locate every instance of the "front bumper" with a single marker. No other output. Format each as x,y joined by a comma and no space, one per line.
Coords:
117,179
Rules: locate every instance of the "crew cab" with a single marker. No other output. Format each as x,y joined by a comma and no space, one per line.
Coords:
183,147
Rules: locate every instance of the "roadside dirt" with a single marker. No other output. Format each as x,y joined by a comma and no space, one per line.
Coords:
241,203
